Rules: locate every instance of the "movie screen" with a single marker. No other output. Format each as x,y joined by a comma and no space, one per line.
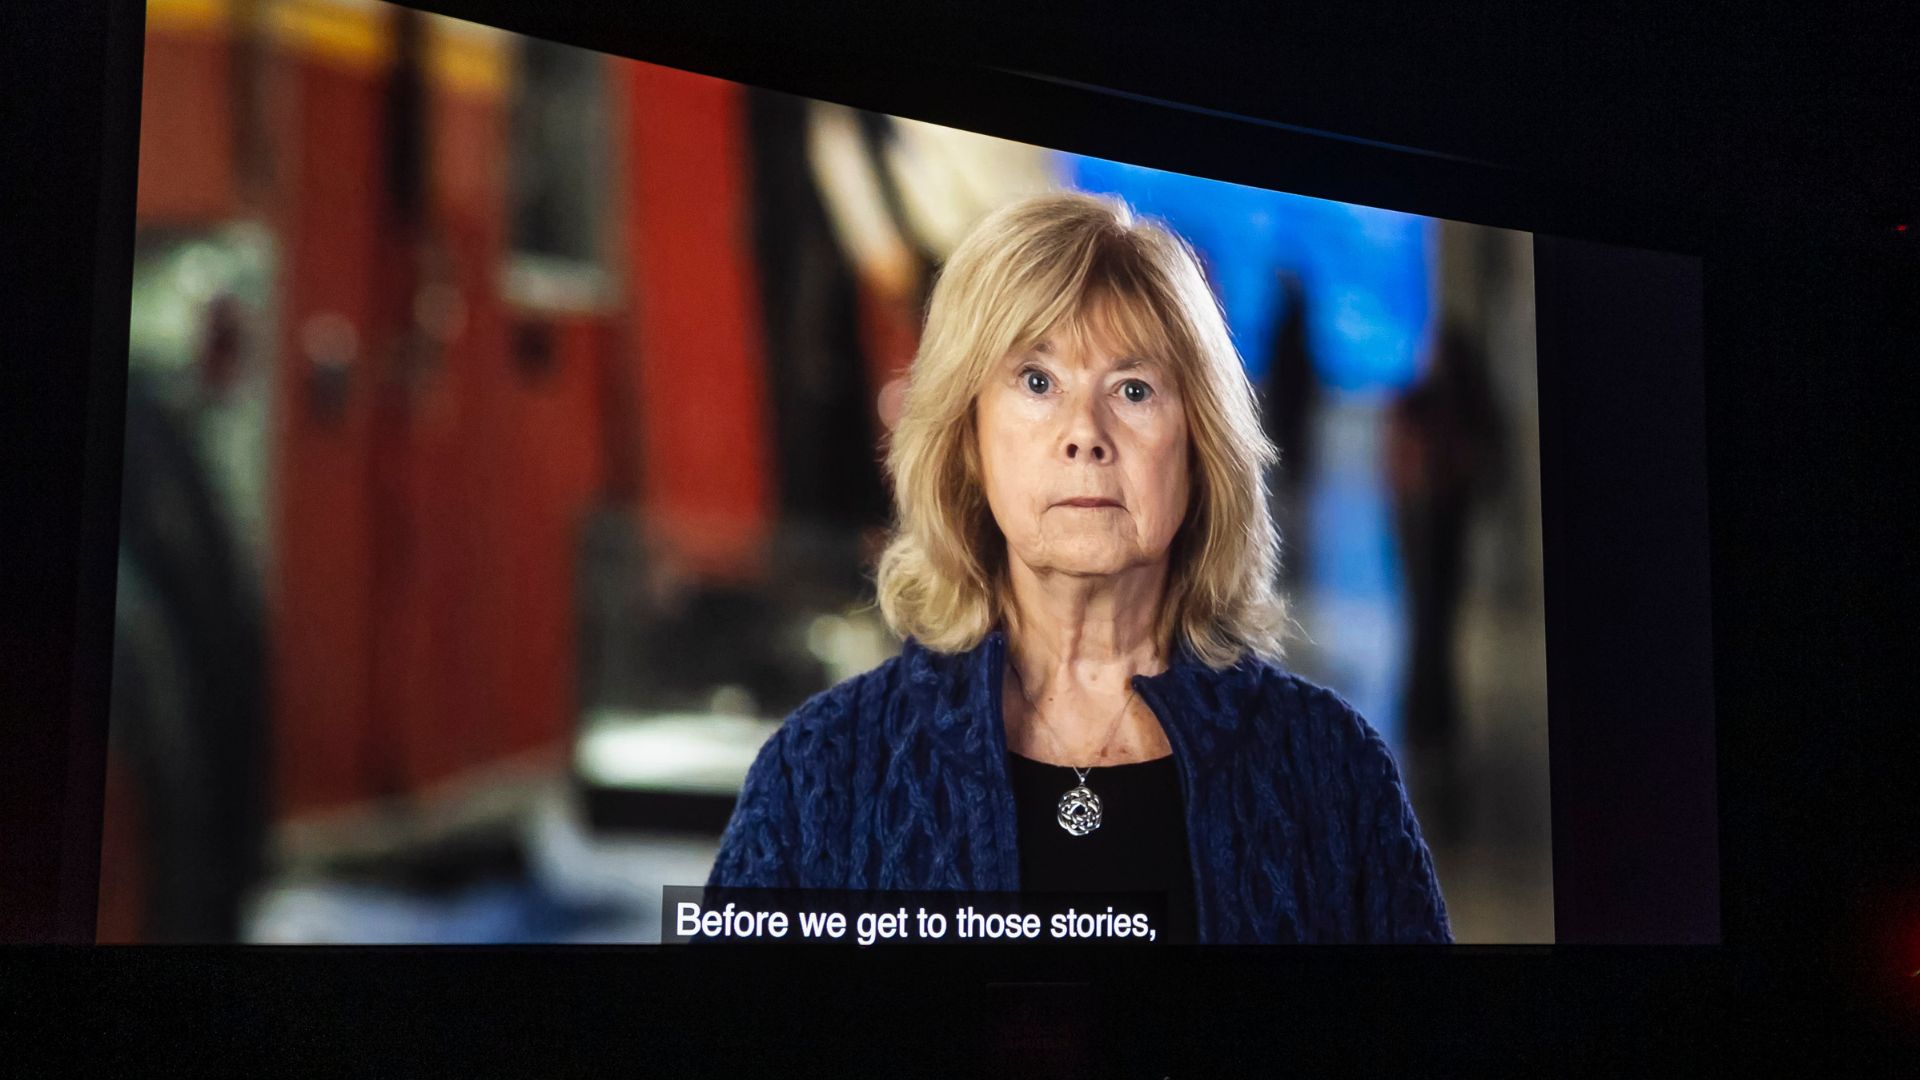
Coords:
566,496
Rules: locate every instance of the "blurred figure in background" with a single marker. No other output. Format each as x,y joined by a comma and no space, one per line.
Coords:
827,435
1290,395
1446,448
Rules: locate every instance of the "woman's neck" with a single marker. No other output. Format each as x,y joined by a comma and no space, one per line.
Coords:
1073,621
1073,647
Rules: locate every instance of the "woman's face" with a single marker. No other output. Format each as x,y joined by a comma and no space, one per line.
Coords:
1084,451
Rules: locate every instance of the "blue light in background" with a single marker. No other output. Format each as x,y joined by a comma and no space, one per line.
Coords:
1365,270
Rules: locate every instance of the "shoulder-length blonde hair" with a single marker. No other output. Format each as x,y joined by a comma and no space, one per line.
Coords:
1058,263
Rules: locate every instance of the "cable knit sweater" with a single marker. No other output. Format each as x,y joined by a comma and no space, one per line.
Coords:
1299,827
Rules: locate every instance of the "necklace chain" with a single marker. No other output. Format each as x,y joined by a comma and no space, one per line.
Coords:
1078,772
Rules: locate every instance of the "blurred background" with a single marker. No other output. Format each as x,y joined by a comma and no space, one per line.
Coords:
502,465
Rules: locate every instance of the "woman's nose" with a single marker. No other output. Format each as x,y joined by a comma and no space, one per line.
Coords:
1087,437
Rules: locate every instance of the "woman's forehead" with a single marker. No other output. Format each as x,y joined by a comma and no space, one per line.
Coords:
1103,328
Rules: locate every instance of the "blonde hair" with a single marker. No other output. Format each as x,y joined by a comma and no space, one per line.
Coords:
1040,266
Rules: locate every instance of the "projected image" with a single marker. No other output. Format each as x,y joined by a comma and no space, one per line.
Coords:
553,478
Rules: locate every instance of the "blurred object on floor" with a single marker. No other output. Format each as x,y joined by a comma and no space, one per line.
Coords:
519,869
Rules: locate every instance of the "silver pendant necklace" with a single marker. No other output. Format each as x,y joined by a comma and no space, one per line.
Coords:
1079,808
1078,811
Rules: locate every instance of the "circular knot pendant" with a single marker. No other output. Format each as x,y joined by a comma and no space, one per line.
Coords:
1080,811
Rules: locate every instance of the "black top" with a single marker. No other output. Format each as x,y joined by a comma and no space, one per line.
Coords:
1140,846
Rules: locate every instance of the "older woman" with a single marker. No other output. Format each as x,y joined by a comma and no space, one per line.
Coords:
1089,696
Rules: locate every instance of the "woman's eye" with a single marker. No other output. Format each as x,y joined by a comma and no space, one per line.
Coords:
1136,391
1037,381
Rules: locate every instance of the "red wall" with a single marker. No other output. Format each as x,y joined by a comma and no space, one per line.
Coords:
421,592
425,615
321,591
187,171
702,384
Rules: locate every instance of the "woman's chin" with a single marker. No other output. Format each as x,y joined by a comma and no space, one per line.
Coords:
1093,562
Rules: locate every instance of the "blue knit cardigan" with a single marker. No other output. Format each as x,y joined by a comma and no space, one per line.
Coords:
1299,827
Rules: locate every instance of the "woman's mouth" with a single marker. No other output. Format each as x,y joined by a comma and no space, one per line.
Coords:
1092,504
